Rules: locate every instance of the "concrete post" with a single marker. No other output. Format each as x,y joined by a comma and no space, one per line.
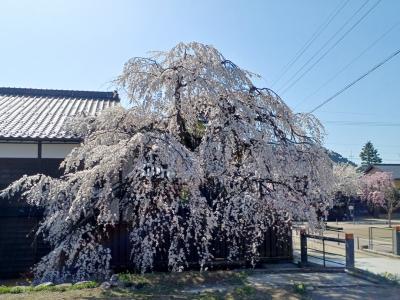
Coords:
396,240
349,237
303,247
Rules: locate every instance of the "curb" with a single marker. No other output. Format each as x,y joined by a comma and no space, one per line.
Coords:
297,268
380,253
364,275
371,277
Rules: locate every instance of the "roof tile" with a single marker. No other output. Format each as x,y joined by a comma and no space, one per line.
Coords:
394,169
42,113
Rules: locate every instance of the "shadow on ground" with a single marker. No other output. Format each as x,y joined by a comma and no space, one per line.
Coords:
328,285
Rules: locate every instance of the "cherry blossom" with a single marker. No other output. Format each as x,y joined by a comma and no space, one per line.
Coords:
379,191
347,180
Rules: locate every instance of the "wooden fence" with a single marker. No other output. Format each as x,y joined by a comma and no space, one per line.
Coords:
275,247
20,250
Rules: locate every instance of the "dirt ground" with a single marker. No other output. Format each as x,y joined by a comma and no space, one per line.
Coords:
249,284
361,228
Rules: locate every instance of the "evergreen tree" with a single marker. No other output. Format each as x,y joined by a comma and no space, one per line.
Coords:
369,155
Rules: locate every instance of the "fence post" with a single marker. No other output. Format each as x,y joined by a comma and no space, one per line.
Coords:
396,240
303,247
349,237
370,238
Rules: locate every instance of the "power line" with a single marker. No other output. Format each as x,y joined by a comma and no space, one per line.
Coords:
350,63
324,45
383,159
331,47
360,144
316,34
357,113
364,123
357,80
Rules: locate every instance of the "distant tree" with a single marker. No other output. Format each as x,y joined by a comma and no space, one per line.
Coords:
378,191
339,159
346,186
346,180
369,155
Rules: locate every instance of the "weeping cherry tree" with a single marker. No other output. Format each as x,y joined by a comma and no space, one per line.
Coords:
201,154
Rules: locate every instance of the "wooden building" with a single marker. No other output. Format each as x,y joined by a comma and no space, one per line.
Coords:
33,140
393,169
32,135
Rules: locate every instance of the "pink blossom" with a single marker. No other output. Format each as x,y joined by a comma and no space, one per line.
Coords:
375,186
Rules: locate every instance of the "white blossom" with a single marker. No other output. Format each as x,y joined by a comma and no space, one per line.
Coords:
347,179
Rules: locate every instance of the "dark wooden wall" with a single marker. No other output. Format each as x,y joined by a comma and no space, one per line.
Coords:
19,249
12,169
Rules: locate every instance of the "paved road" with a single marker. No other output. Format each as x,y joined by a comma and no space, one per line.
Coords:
379,265
321,286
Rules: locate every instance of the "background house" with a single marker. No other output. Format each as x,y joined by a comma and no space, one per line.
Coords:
394,169
33,140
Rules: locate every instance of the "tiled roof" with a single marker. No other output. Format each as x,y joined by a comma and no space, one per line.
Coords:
390,168
31,114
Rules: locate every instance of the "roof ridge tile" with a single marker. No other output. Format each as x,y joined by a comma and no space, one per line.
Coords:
59,93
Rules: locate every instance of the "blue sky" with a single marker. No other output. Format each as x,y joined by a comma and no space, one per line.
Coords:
78,44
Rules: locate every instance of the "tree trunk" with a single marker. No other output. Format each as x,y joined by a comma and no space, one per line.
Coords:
376,210
390,211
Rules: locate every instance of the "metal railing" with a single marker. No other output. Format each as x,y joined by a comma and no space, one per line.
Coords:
323,254
380,239
325,248
337,229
